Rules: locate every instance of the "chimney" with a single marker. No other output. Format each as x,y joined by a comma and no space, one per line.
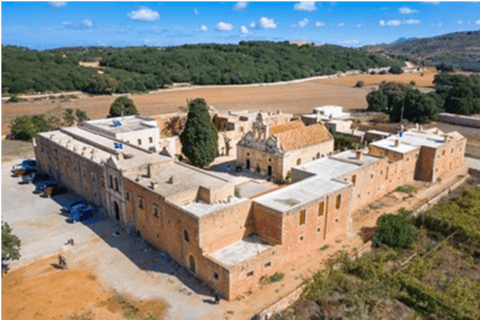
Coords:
358,155
445,138
397,143
151,170
120,156
154,185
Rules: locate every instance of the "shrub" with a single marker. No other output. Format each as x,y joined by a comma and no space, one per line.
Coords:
275,277
413,83
122,106
27,127
406,189
394,231
395,70
360,83
383,72
239,168
14,98
179,157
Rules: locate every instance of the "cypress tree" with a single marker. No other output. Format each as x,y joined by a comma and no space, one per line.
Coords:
199,138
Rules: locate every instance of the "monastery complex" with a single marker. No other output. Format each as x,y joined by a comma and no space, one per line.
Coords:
123,167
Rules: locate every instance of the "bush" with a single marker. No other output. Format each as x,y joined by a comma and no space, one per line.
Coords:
122,106
14,98
359,84
239,168
275,277
394,231
377,101
27,127
101,84
413,83
395,70
406,189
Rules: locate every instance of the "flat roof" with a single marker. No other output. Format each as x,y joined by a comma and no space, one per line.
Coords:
128,124
299,193
242,250
201,209
410,140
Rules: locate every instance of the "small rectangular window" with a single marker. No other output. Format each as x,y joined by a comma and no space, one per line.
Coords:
139,142
354,179
215,276
339,201
156,211
268,264
140,203
301,217
321,208
127,196
150,140
250,274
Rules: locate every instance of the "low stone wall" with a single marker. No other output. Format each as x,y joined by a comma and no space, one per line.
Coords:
280,305
459,119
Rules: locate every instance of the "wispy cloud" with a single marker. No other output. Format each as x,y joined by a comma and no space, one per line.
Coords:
240,5
57,4
477,22
144,14
360,25
341,24
407,10
195,11
437,25
68,24
397,23
266,23
244,30
224,26
459,21
204,28
319,24
252,25
305,6
87,23
300,24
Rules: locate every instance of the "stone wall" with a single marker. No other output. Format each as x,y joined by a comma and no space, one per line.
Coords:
459,119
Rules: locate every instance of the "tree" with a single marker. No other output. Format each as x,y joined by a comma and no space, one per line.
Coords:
377,101
27,127
199,138
394,231
396,70
10,245
101,84
122,106
418,107
68,117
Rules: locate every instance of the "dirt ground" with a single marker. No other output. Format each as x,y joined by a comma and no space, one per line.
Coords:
298,97
42,291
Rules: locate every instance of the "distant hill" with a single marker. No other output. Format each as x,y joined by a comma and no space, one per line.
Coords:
139,69
452,48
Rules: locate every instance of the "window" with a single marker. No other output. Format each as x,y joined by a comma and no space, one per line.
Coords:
301,217
371,176
318,155
299,162
354,179
103,182
150,139
408,159
321,208
339,201
139,142
186,236
111,182
140,202
301,238
443,152
318,230
268,264
156,211
116,184
127,196
250,274
215,276
336,220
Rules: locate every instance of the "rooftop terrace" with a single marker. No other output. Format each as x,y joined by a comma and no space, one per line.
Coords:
241,250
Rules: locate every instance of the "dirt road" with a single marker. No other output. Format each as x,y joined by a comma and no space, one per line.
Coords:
298,97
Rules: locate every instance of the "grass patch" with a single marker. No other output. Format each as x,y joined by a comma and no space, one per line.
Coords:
324,247
276,277
117,297
84,316
406,189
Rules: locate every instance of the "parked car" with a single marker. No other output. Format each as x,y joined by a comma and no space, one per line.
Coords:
23,172
41,185
27,164
81,211
54,190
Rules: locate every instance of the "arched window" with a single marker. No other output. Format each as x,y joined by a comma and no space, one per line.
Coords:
116,184
111,182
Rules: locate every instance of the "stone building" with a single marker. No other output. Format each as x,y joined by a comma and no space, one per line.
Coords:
274,150
230,243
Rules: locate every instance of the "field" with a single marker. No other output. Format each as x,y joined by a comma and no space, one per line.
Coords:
296,97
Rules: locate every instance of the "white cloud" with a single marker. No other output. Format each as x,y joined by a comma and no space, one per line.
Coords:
477,22
437,25
341,24
204,28
303,23
411,21
252,25
87,23
266,23
224,26
57,4
240,5
319,24
360,25
195,11
459,21
144,14
67,24
244,30
305,6
407,10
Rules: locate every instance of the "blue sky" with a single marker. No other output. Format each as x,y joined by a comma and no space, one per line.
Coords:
45,25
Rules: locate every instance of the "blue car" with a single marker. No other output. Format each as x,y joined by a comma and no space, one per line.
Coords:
25,165
80,211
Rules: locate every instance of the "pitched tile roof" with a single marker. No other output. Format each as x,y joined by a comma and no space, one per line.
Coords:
296,124
301,136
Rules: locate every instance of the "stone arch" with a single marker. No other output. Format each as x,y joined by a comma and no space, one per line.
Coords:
116,210
191,264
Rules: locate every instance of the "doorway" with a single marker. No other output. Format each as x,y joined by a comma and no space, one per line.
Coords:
117,210
248,164
191,262
269,169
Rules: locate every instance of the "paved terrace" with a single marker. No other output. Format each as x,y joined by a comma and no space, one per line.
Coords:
128,124
241,250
